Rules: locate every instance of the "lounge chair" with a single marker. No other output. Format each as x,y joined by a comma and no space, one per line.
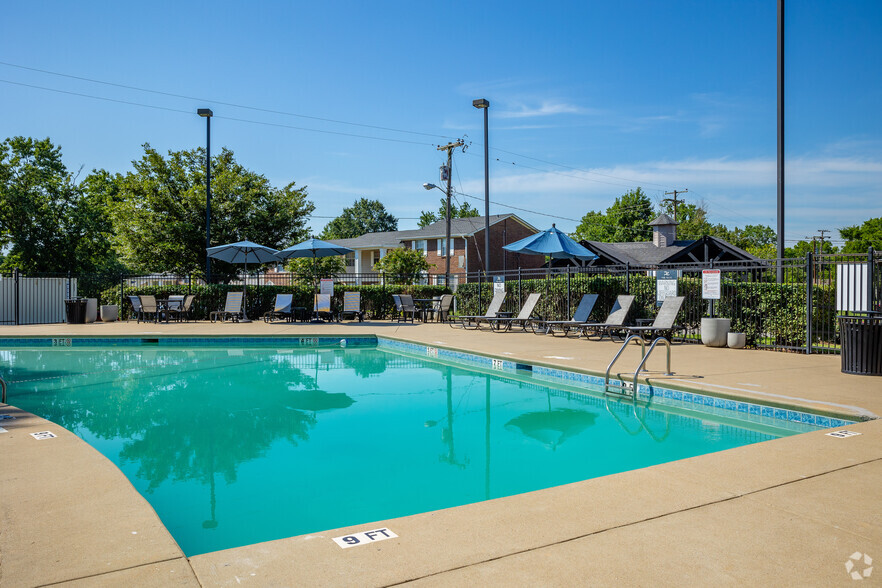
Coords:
523,319
663,325
321,310
281,308
180,311
136,308
405,306
352,306
614,322
583,311
232,309
149,306
474,321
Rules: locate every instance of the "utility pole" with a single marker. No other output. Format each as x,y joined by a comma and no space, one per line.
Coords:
674,200
822,238
450,147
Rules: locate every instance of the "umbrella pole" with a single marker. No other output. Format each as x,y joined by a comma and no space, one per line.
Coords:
245,318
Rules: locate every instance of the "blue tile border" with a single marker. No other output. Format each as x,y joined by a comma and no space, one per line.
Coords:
751,412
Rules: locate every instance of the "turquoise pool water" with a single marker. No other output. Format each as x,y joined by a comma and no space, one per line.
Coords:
234,446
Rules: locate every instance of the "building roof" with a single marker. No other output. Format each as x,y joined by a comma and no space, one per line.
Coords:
645,253
663,220
459,227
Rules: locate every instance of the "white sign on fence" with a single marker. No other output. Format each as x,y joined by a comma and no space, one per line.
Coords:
851,287
327,286
665,285
711,284
498,284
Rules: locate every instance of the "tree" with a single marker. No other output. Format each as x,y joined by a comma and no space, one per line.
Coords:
159,210
858,239
316,269
626,220
47,222
464,210
404,265
364,216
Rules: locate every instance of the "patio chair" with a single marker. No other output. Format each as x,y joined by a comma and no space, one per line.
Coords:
406,307
281,309
352,306
583,311
442,313
182,309
474,321
523,319
136,308
663,325
321,310
149,306
232,309
614,322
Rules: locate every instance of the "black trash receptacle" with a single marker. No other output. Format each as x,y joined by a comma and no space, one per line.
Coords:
861,338
76,310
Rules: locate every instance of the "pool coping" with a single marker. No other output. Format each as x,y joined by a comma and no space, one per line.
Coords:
515,533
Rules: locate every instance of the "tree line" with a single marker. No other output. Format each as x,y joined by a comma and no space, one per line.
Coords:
152,218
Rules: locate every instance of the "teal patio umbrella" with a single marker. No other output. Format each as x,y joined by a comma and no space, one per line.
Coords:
243,252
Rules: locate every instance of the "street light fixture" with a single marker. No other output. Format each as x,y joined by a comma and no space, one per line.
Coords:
446,249
207,114
484,104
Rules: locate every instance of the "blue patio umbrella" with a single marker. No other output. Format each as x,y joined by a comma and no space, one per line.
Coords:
552,243
243,252
314,248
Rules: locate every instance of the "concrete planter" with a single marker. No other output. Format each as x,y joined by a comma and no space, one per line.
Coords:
109,312
714,331
736,340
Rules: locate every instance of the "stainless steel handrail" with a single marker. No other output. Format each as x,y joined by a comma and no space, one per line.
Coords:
616,358
2,390
646,357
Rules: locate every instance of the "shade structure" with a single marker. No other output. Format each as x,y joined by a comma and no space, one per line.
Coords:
552,243
313,247
244,252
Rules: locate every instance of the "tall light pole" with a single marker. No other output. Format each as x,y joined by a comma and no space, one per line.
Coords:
207,113
485,105
780,240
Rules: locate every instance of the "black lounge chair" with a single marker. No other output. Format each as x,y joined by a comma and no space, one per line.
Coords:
663,325
614,323
474,321
583,311
524,318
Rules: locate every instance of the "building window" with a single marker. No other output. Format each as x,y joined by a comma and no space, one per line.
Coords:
441,246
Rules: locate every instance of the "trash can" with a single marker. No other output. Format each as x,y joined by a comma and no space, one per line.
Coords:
861,340
76,310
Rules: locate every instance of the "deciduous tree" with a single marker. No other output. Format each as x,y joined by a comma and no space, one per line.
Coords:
364,216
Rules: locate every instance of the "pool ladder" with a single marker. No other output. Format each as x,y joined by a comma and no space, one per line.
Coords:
624,389
2,390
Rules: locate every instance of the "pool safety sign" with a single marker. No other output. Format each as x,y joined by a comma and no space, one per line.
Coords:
364,538
665,285
710,284
498,285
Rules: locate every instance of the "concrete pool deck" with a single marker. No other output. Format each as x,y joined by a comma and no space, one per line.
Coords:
790,511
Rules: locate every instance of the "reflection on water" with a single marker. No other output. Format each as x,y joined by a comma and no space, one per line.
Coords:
236,446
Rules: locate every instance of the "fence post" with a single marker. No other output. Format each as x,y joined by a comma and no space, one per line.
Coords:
808,302
627,277
122,290
16,282
569,292
871,303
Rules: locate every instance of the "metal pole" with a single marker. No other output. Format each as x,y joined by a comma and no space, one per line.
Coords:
486,194
447,231
780,140
207,197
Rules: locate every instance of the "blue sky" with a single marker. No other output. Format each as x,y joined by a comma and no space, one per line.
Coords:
588,99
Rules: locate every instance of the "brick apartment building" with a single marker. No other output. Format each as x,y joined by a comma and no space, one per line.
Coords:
466,247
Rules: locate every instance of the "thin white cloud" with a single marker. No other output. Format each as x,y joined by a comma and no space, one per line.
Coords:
546,108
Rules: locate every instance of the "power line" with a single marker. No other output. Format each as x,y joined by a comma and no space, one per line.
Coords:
234,105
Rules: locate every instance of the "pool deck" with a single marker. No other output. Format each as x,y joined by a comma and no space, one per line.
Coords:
790,511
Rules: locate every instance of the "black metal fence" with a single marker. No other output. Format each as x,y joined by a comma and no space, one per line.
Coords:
797,313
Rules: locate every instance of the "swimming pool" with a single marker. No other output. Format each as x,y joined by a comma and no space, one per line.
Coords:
238,444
